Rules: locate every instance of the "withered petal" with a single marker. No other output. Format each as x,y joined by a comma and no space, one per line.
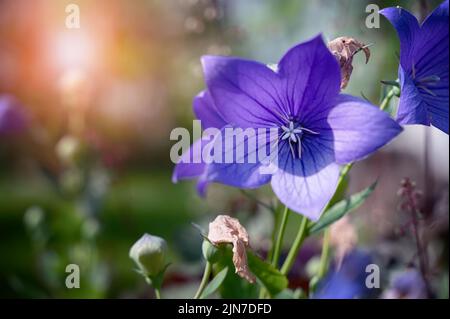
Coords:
226,229
344,49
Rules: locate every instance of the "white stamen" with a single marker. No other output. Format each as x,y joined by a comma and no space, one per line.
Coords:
309,131
294,136
292,149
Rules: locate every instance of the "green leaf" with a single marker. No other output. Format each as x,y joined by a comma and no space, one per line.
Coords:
234,287
343,207
291,294
390,83
267,275
214,284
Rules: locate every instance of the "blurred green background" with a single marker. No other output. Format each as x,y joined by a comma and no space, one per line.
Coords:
93,172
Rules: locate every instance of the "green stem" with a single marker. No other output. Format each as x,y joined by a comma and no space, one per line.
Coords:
385,103
343,175
158,293
262,293
274,234
325,253
301,235
204,282
280,236
155,282
277,240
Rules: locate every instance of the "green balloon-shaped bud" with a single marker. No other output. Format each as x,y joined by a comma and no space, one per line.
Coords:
149,254
211,253
69,150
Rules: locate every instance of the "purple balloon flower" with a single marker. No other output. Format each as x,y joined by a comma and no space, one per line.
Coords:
12,116
349,281
408,284
318,128
423,70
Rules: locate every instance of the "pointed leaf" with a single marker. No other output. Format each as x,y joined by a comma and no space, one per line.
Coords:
343,207
267,275
290,294
234,287
214,284
391,83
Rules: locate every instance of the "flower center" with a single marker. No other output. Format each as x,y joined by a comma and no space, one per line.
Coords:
293,133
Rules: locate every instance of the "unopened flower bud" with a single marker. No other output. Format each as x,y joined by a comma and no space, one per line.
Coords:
210,252
69,149
34,216
90,228
149,254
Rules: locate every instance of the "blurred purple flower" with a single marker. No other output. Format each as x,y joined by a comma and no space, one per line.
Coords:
407,285
318,128
13,118
347,282
423,70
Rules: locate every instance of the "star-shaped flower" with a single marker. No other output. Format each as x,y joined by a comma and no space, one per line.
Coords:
318,128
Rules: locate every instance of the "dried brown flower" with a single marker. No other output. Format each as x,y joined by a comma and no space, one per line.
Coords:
344,49
226,229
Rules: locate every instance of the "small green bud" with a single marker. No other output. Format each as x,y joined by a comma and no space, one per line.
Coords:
149,254
210,252
90,228
69,150
312,267
34,216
